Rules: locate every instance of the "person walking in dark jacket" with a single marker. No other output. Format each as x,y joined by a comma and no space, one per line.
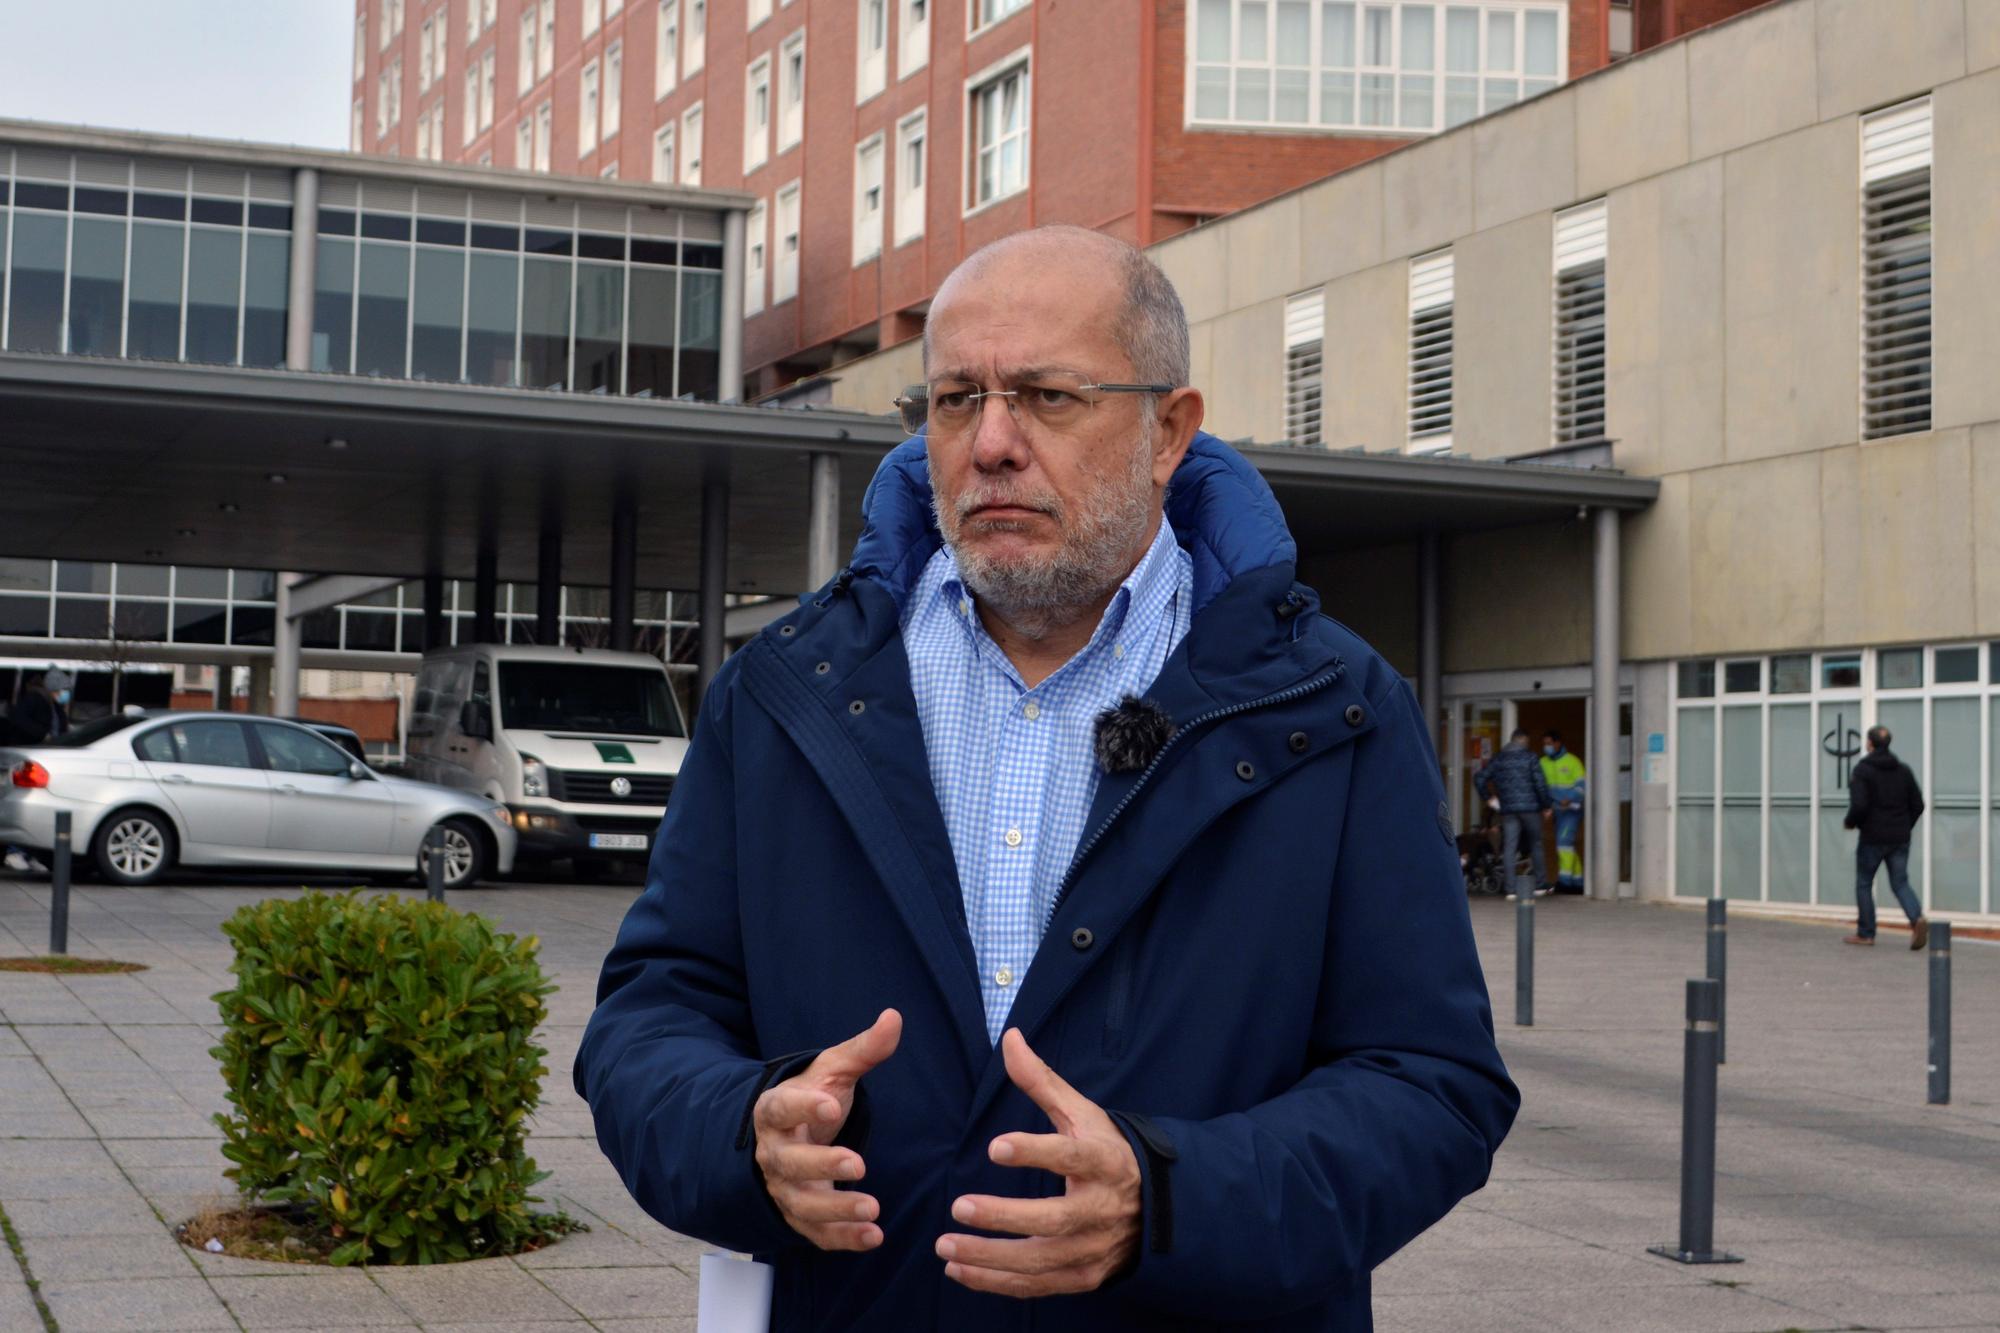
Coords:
40,714
1884,802
1056,923
1513,785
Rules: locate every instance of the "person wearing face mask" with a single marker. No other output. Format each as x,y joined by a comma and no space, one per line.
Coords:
1568,783
41,714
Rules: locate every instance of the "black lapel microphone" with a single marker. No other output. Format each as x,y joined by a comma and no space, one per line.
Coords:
1130,736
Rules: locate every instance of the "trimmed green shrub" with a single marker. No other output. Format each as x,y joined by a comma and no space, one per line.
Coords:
381,1061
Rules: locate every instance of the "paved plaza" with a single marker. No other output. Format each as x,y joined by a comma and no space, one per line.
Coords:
1854,1204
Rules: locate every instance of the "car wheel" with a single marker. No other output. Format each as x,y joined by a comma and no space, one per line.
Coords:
133,847
464,855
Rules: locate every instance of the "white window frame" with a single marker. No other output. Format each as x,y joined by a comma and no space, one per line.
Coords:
871,64
611,111
667,49
524,143
1002,11
586,109
382,102
386,14
756,136
913,36
869,222
356,126
424,60
791,104
665,161
471,103
437,132
489,13
1491,78
612,8
1433,335
545,133
1898,244
531,27
1305,367
756,12
694,39
593,17
691,145
545,50
1019,62
396,91
489,73
360,45
1582,241
756,257
471,21
786,244
912,204
609,171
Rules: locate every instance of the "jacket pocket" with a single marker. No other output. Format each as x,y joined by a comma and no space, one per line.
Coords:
1119,1004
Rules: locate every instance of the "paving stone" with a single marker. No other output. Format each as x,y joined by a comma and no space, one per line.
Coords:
492,1290
112,1215
143,1305
71,1259
330,1298
623,1293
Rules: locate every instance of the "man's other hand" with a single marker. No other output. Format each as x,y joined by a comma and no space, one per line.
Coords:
1075,1242
797,1120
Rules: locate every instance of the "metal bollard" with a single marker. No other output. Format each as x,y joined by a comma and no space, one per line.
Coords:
59,887
1940,1048
1524,957
1718,972
434,865
1697,1241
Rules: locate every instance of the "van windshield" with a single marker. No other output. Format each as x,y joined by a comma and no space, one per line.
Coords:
573,696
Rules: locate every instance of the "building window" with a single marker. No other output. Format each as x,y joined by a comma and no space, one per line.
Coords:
471,21
424,59
593,16
360,45
868,199
396,91
757,233
1580,238
471,104
488,70
530,27
695,48
785,265
757,115
354,127
614,87
759,11
545,127
1430,352
524,143
987,12
871,41
489,11
1620,40
912,175
391,17
1000,136
691,145
545,50
663,155
1896,270
913,36
667,51
610,172
1381,66
586,110
792,90
613,7
1305,326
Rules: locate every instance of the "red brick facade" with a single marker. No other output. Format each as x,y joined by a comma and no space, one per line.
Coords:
1108,142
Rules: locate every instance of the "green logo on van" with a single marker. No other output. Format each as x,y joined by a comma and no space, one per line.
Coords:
614,752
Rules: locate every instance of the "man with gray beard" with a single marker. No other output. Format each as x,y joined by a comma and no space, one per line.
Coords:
1059,872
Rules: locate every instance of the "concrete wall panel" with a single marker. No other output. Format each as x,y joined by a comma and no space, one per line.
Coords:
1877,51
1340,225
1197,263
872,383
1366,393
1635,125
1656,570
1524,160
1966,250
1248,361
1264,253
1519,597
1755,555
1842,618
1916,556
1752,79
1502,328
1665,348
1791,307
1982,35
1427,195
1985,449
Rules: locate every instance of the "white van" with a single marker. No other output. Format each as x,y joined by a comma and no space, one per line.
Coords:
582,745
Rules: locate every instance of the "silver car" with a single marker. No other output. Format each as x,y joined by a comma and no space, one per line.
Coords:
148,792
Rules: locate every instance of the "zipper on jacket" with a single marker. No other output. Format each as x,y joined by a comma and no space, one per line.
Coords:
1195,723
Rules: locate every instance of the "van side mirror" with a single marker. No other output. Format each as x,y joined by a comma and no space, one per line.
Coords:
474,720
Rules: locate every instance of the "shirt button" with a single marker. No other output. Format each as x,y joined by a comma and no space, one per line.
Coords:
1031,710
1118,650
1004,977
1013,837
964,607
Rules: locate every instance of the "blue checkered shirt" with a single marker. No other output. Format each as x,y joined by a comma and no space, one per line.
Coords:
1014,768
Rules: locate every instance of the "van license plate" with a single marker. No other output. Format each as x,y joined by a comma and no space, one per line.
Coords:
618,842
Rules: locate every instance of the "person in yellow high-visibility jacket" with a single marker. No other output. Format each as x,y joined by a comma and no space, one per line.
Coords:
1568,786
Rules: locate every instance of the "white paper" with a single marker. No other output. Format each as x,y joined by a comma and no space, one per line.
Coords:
735,1295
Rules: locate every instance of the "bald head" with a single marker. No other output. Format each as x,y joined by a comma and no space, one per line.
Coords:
1113,280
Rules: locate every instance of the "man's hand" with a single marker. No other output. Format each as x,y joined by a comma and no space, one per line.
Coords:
1074,1243
797,1119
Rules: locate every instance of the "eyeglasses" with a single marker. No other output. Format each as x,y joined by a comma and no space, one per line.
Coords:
1050,403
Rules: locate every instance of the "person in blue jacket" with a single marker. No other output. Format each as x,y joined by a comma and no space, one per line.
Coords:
1057,923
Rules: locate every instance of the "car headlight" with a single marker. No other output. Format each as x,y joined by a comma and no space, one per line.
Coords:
501,814
534,776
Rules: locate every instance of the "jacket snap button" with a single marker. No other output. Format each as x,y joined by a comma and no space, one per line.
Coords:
1298,742
788,631
1354,715
1246,770
825,667
1082,938
857,707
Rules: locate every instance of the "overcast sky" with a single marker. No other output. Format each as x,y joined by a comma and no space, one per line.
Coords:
274,71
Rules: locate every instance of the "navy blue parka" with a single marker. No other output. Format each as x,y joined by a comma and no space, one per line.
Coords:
1260,960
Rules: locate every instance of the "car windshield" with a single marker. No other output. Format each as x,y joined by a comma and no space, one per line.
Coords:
92,732
573,696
